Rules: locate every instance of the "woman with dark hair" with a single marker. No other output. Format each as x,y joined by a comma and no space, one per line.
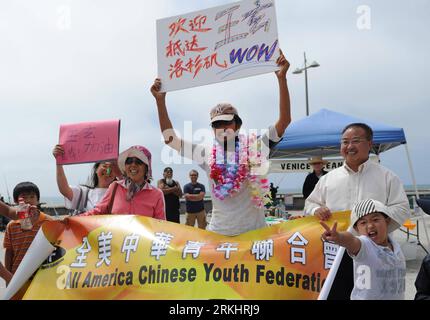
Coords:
85,197
133,195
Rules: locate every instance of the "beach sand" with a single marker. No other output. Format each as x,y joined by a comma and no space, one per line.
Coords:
413,266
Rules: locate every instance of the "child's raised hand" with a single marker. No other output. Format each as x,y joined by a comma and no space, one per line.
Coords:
284,64
330,234
155,90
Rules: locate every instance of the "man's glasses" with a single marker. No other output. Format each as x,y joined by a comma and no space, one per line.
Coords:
354,142
133,160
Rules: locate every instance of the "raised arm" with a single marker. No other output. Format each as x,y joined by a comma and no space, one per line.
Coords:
62,183
345,239
284,96
7,211
170,137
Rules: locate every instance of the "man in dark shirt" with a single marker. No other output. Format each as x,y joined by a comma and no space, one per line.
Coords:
312,179
172,193
194,194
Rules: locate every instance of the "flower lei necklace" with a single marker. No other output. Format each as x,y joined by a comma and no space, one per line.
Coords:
230,171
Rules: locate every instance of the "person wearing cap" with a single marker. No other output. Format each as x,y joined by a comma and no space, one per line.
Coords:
236,201
312,179
172,193
379,263
133,195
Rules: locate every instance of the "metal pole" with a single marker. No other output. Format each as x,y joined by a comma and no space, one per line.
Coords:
411,170
417,194
306,86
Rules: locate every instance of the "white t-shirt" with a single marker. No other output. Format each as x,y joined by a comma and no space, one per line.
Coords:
94,197
234,215
379,273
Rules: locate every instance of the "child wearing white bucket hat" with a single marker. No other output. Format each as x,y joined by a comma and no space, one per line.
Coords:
379,263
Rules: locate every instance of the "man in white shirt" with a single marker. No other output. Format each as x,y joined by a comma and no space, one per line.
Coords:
357,180
239,210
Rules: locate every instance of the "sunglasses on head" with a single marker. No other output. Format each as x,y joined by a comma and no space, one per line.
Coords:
137,161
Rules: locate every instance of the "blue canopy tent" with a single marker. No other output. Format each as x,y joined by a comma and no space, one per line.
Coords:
320,134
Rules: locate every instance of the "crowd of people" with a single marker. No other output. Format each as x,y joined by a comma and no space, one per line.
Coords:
374,194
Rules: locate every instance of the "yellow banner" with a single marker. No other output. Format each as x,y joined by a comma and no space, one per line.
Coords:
130,257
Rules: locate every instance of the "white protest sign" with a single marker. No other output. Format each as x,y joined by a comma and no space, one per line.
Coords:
218,44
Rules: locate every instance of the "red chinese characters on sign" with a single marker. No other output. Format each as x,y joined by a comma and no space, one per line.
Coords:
180,48
177,48
194,66
196,24
177,27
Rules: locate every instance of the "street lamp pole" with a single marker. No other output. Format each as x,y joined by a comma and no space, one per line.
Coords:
306,85
305,69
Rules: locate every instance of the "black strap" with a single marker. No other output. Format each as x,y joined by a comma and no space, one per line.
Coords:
87,192
112,199
78,204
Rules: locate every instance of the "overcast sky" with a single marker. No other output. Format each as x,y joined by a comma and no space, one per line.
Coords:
87,60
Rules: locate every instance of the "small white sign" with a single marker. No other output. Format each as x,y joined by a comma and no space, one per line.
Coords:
303,166
297,166
218,44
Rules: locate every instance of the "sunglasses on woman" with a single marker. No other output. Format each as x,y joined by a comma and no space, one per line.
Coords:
137,161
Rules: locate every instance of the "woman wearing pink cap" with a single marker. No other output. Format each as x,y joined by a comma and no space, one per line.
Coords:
133,195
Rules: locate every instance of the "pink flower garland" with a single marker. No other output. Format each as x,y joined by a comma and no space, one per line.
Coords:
228,175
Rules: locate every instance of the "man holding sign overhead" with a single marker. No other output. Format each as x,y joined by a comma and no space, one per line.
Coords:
235,164
219,44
